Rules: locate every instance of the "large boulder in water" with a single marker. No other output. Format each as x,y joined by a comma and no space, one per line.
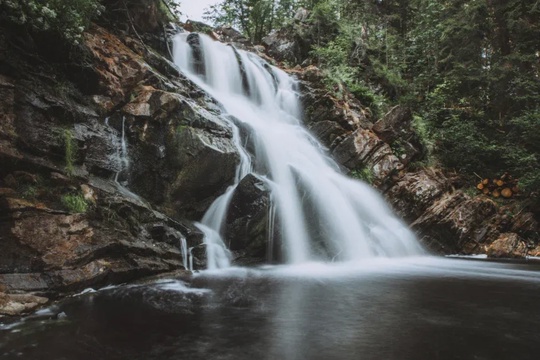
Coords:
247,221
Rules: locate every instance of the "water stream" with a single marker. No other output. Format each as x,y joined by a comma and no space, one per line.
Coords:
323,215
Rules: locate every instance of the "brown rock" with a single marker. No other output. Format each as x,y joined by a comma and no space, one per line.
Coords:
363,148
455,223
508,245
118,67
16,304
414,192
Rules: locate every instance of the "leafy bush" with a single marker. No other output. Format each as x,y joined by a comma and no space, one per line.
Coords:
68,18
75,203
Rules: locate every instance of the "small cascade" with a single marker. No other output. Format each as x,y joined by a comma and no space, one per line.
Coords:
217,255
322,214
186,261
122,155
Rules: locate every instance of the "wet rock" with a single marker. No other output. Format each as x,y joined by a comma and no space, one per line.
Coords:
118,68
230,35
17,304
508,245
182,159
327,131
247,220
194,41
320,105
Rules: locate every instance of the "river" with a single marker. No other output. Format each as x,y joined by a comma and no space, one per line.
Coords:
419,308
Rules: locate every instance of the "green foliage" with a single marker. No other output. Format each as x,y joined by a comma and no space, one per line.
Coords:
70,150
75,203
29,192
468,68
364,174
67,18
255,18
171,9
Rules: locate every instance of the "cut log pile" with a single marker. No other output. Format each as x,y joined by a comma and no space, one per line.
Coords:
505,186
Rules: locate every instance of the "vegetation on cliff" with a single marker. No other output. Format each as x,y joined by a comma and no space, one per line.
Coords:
469,69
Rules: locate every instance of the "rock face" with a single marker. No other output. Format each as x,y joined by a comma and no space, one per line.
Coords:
106,159
117,240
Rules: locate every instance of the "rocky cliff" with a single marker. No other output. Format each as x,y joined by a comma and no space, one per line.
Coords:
107,156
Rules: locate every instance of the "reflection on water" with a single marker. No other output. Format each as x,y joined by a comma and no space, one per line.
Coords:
415,309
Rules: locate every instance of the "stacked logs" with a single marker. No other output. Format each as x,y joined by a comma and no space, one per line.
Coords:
505,186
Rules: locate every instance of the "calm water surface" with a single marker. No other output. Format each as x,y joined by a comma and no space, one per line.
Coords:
415,309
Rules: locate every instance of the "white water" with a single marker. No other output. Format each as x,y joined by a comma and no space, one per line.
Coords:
323,214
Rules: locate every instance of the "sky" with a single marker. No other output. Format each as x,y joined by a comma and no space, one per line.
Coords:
194,9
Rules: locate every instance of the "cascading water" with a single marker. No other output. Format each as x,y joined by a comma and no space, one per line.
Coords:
323,214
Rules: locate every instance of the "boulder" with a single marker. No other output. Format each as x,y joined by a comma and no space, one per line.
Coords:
247,219
17,304
507,245
526,226
47,249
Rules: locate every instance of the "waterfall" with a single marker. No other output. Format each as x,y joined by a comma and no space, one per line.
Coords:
323,214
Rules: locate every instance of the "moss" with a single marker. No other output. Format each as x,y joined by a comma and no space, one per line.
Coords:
75,203
29,192
180,128
365,174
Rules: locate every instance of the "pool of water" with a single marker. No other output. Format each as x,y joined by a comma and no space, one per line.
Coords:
423,308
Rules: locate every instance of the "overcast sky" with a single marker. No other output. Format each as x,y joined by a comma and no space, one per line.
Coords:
194,9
